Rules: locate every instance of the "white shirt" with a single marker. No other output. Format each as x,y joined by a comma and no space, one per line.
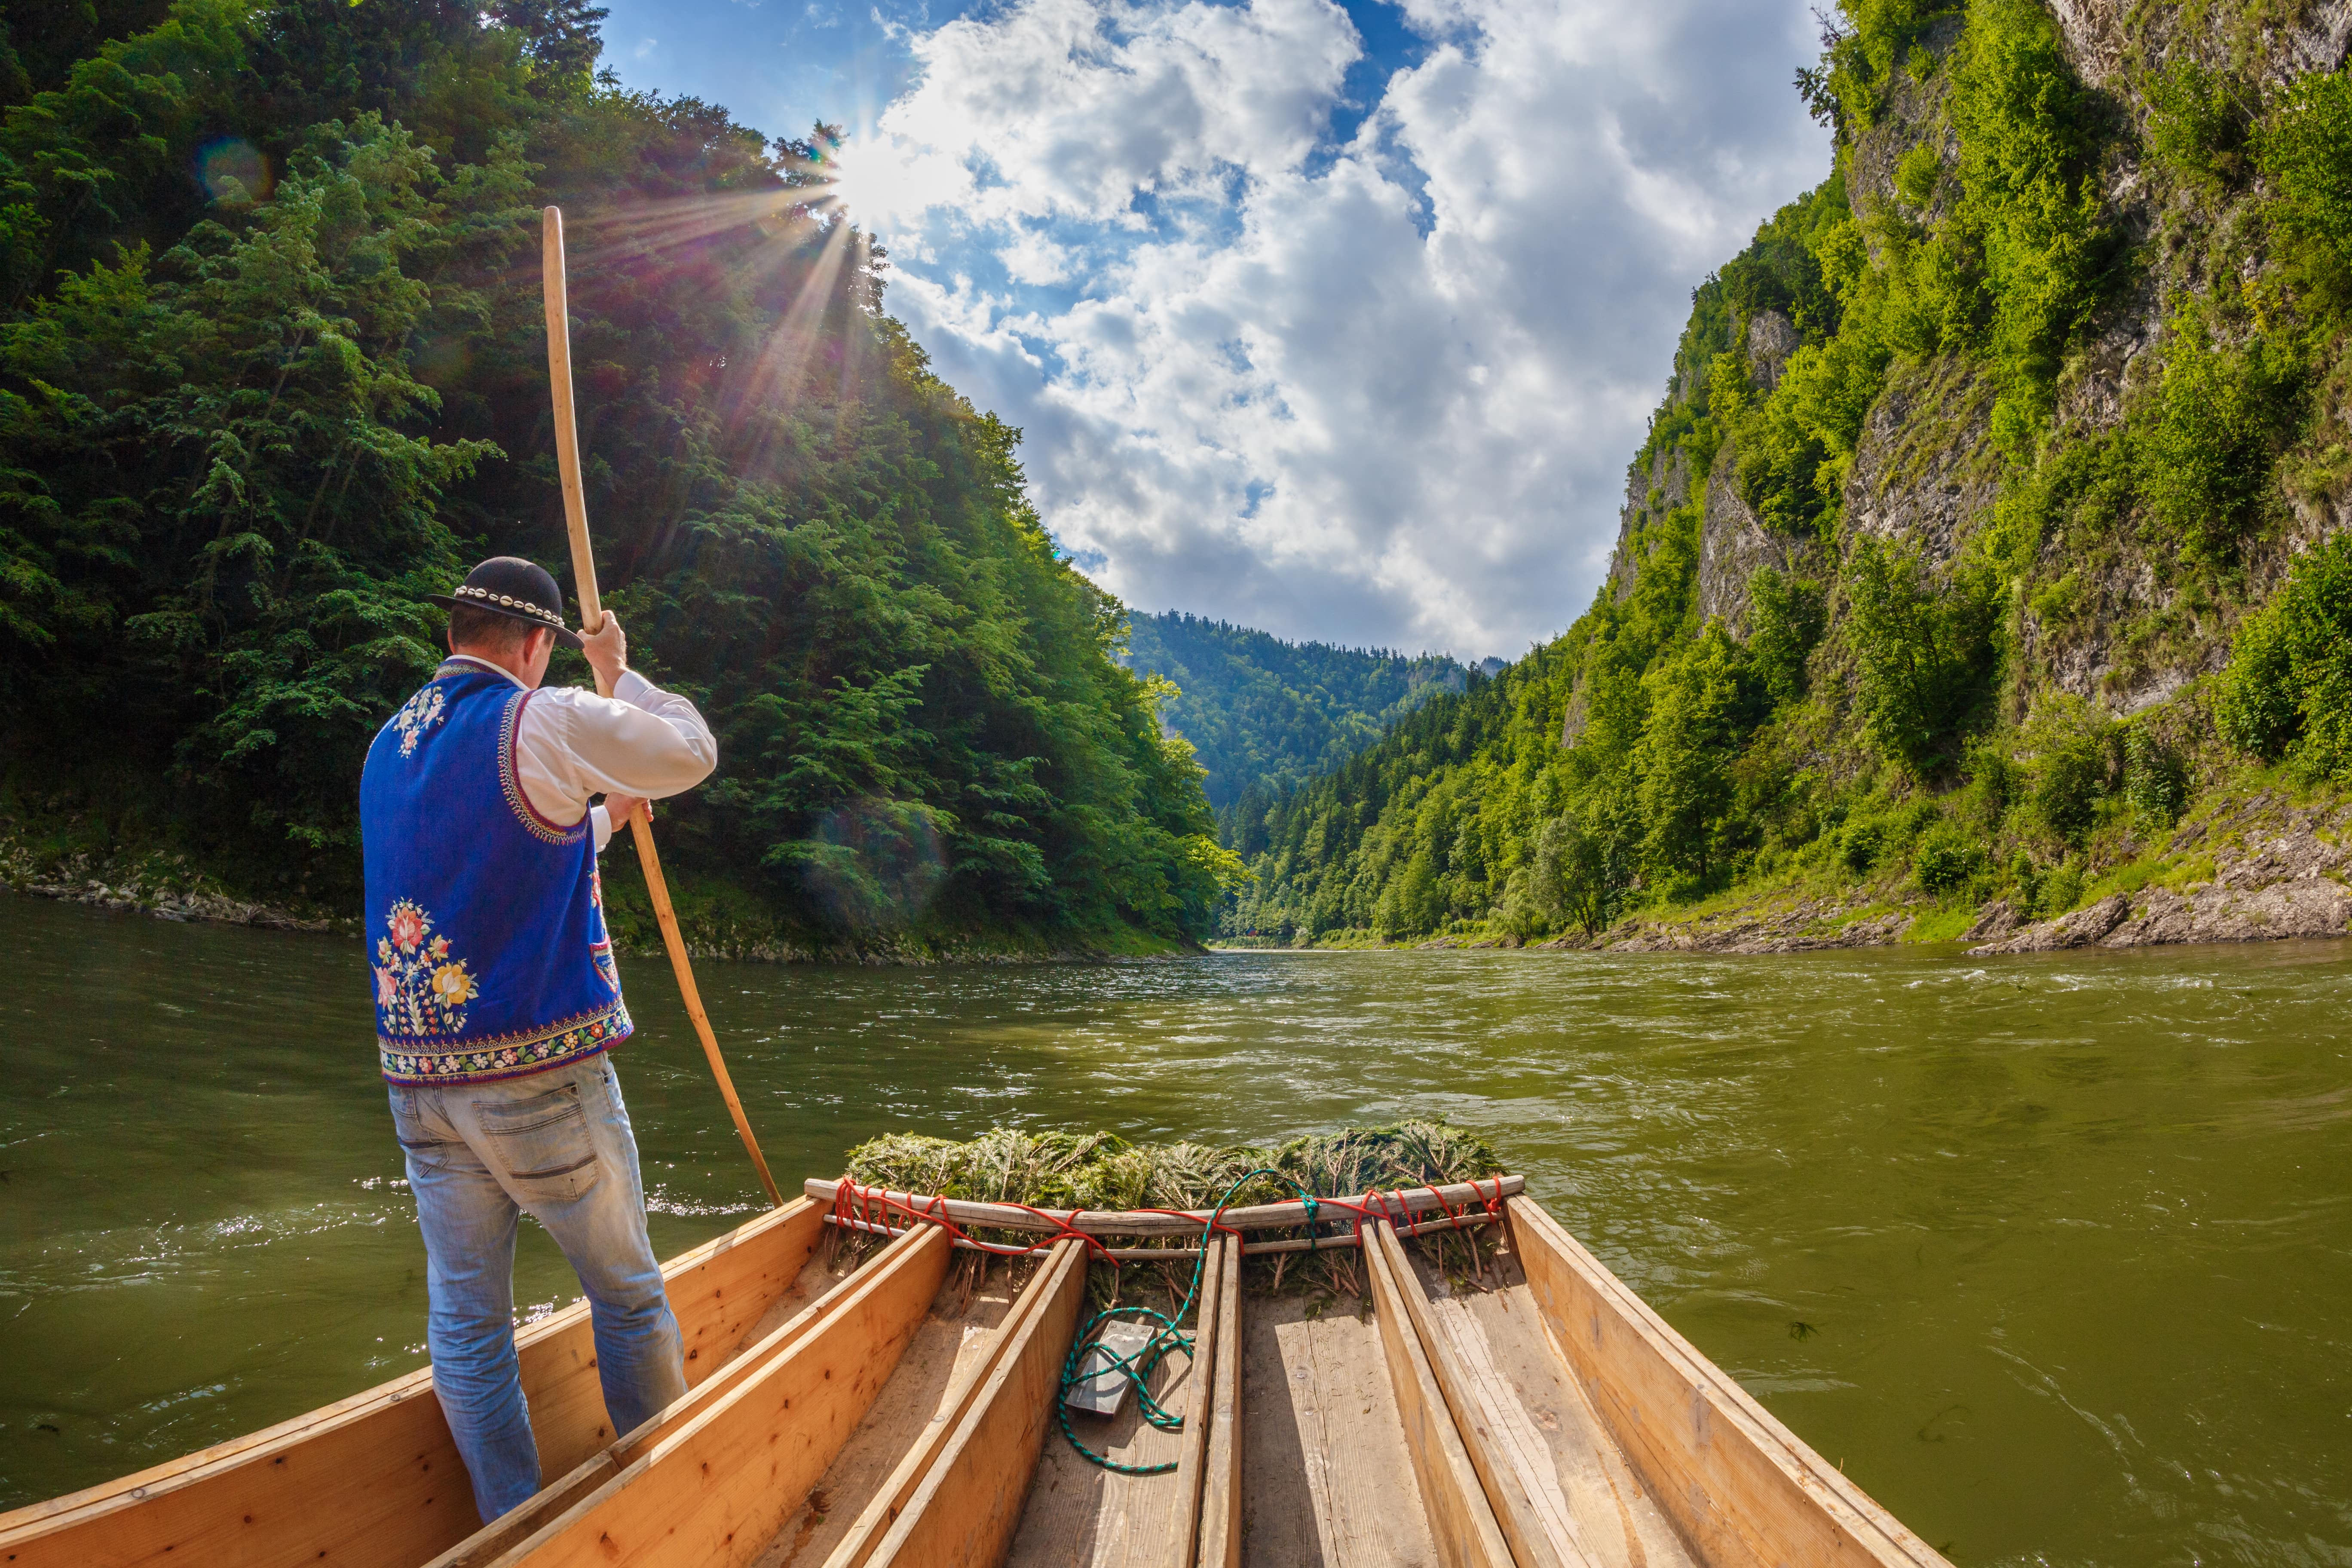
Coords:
574,743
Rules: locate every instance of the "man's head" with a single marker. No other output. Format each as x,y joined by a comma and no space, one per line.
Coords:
509,613
503,640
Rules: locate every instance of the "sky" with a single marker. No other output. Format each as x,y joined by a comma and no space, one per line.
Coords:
1339,321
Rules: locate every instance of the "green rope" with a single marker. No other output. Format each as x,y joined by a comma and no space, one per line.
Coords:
1137,1369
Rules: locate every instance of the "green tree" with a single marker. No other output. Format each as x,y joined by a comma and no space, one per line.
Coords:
1926,657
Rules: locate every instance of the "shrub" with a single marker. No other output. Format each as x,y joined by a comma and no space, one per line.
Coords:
2305,152
1859,844
2156,780
2197,124
2071,745
2221,416
2256,706
2288,689
1947,859
1788,616
1994,783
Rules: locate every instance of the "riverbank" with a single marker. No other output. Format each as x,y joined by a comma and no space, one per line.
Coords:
2261,862
720,921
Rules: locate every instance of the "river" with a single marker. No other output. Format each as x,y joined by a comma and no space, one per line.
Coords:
2053,1254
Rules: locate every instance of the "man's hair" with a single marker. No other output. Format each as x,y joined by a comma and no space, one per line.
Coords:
473,627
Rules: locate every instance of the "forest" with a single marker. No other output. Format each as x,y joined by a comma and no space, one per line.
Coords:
1264,714
1990,526
272,368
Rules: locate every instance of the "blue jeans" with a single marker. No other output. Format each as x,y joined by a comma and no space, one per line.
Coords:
557,1144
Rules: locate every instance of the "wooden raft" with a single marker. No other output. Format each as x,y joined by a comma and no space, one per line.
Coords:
901,1415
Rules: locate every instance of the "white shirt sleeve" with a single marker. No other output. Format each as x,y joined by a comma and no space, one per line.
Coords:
572,744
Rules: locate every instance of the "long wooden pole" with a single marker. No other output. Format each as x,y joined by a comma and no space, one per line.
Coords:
592,618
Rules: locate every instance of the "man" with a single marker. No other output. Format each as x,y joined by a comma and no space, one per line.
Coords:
498,999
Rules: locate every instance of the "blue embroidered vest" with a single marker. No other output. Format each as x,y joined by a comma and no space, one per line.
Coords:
485,921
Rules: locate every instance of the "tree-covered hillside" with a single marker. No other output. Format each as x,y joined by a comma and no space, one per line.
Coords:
1263,713
272,367
1988,537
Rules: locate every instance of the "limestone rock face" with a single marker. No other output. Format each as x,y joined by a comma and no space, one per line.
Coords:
2080,928
1997,919
1771,339
1925,472
1733,545
2314,38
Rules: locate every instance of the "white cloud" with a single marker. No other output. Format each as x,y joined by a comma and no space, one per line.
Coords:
1379,392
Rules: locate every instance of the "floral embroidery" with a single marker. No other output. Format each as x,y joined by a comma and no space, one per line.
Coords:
418,715
601,954
419,988
506,1058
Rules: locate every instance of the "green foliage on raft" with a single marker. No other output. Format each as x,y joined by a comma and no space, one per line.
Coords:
1098,1171
246,425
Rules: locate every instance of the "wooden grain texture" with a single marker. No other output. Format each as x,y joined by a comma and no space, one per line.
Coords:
1460,1518
714,1491
375,1480
1219,1542
1539,1535
1173,1222
495,1539
875,1520
1565,1455
1200,1412
1742,1488
966,1510
1329,1482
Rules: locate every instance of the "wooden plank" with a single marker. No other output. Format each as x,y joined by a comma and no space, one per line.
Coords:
1330,1480
1460,1519
874,1521
964,1512
716,1489
1178,1222
1220,1494
1744,1489
1200,1414
1538,1537
493,1539
375,1480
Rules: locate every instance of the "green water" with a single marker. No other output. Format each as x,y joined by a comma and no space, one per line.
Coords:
2053,1254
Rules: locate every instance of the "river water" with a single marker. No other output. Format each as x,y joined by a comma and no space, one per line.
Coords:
2053,1254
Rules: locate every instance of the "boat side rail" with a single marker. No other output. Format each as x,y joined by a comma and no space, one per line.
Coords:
1740,1487
375,1480
526,1518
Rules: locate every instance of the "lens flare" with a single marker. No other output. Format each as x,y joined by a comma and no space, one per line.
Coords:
874,863
229,168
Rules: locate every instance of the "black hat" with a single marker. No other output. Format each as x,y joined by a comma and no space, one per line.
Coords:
510,585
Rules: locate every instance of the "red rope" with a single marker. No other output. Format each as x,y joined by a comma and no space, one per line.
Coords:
854,1208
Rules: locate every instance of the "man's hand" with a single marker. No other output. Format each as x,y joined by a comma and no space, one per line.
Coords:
608,654
623,809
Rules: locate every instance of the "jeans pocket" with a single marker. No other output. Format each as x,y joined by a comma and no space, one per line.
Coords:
424,1152
543,1144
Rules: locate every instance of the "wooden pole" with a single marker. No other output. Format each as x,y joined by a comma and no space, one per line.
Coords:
592,617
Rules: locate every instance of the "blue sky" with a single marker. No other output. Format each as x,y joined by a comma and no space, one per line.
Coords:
1341,320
